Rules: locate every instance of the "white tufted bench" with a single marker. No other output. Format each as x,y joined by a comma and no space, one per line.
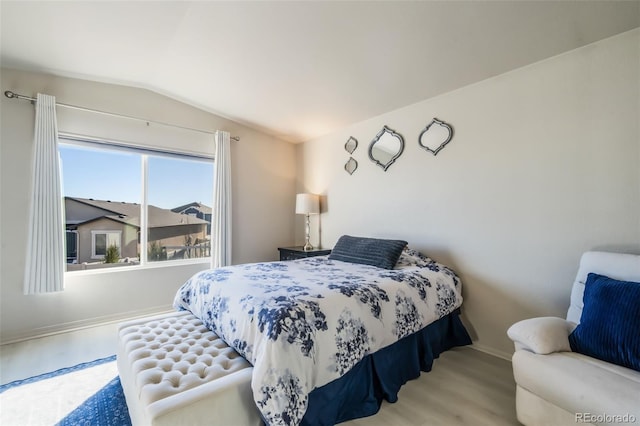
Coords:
175,371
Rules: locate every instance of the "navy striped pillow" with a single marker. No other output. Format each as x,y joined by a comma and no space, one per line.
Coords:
610,321
368,251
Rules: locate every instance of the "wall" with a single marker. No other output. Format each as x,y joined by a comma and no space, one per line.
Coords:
263,183
544,165
128,239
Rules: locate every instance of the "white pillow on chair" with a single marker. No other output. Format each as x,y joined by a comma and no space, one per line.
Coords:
542,335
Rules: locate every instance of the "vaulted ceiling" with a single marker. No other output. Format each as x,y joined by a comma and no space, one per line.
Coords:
298,70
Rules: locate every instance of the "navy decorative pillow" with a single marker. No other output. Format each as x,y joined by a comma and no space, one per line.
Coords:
610,321
368,251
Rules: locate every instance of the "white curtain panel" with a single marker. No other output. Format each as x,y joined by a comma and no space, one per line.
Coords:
45,259
221,214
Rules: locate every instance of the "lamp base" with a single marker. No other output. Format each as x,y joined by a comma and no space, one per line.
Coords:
307,244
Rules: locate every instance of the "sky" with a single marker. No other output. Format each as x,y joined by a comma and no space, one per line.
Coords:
117,176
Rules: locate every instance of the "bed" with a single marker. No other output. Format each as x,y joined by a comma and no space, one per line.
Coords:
329,339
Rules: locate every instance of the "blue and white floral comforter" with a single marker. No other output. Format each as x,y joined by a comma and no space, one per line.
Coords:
305,323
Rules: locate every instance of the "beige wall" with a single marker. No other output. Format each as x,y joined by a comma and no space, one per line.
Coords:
544,165
263,180
175,236
128,238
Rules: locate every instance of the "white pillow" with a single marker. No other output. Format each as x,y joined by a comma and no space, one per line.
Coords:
542,335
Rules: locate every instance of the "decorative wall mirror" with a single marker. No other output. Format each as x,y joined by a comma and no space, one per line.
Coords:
351,165
351,145
386,147
435,136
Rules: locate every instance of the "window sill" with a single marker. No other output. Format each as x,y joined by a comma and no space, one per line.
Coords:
149,265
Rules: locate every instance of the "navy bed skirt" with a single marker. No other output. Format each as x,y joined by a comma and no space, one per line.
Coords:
360,392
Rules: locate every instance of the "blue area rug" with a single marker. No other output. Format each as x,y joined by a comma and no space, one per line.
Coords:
107,407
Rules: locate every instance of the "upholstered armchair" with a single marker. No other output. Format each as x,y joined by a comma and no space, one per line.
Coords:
584,369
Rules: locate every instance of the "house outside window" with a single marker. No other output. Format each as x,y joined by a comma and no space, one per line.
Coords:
112,192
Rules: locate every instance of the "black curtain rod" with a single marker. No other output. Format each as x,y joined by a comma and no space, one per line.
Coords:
11,95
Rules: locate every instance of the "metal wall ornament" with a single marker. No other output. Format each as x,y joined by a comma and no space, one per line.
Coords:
351,165
435,136
386,147
351,144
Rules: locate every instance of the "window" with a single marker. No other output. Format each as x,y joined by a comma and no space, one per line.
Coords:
127,206
72,246
103,240
171,232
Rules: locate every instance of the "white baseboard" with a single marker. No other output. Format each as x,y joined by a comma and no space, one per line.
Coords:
500,354
67,327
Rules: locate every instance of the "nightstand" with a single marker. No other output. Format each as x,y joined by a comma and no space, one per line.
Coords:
293,253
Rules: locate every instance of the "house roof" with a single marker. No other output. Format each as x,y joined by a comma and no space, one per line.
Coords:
199,206
129,213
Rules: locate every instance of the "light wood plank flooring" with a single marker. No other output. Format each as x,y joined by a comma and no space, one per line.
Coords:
465,387
37,356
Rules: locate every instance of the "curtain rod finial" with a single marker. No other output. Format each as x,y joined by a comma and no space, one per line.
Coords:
9,94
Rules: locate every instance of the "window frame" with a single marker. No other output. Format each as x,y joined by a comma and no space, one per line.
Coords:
95,232
144,152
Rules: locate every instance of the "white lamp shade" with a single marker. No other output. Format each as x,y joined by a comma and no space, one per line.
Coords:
307,204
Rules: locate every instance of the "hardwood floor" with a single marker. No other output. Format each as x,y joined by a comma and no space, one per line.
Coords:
465,387
36,356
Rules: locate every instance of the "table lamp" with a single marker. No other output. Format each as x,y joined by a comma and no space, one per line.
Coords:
307,204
